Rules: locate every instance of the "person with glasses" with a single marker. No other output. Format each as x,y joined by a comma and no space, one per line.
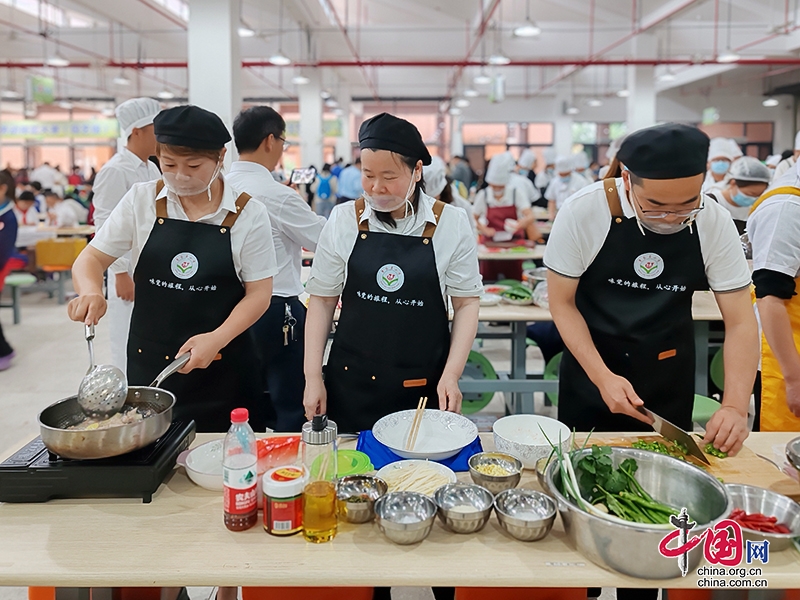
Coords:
625,256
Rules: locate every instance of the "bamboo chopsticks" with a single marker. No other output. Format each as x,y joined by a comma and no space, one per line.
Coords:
416,423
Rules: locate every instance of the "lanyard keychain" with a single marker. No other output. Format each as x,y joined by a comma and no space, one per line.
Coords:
288,325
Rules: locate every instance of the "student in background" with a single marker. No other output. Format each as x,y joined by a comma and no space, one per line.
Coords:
25,209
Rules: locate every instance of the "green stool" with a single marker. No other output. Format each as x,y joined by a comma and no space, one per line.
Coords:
17,281
477,367
704,408
551,373
717,370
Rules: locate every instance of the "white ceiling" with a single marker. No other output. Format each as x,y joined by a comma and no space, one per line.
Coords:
94,34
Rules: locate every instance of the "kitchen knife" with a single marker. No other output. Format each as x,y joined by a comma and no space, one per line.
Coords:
675,434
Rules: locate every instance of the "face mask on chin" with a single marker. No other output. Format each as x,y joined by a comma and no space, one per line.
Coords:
662,228
186,185
743,200
389,203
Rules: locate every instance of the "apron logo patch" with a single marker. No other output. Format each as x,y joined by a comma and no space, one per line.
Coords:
184,265
390,278
648,265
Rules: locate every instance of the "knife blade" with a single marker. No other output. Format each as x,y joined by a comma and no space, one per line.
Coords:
676,434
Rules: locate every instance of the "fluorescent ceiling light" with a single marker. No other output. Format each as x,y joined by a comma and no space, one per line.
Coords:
623,93
280,59
572,110
529,29
770,102
331,103
461,103
108,112
667,76
245,31
325,94
165,94
482,79
121,80
595,102
728,57
499,59
470,93
57,61
300,80
455,111
65,105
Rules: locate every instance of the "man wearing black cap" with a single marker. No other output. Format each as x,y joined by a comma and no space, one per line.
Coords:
393,256
203,261
624,258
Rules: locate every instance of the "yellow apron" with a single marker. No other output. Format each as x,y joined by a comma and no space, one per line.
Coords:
775,413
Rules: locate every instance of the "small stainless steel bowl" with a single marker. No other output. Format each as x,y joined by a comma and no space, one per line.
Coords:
464,507
405,517
527,515
793,452
495,483
752,499
356,496
541,469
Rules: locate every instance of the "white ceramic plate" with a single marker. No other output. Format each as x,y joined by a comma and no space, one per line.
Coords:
203,465
523,436
490,300
406,464
441,434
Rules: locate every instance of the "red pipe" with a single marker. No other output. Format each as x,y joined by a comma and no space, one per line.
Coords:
353,49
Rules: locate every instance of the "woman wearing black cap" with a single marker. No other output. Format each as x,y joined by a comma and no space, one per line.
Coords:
625,257
203,272
393,256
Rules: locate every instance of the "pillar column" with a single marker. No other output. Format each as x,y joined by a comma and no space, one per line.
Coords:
311,121
562,123
344,145
215,63
641,103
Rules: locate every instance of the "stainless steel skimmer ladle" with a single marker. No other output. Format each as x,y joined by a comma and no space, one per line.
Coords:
104,388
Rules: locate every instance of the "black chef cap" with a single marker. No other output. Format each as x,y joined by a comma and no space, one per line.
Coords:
387,132
191,127
669,151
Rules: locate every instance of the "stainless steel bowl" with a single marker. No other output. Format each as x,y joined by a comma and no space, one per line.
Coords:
632,549
541,469
113,441
793,453
752,499
463,507
527,515
405,517
356,496
496,483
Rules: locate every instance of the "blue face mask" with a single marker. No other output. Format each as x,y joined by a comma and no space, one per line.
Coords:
565,178
720,167
740,199
524,172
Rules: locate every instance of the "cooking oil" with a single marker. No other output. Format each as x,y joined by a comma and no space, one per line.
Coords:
319,511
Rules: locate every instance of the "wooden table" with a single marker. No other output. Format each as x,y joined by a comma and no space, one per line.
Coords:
179,539
535,253
704,310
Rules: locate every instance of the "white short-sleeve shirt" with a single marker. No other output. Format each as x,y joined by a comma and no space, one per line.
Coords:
454,245
774,230
129,225
512,196
581,227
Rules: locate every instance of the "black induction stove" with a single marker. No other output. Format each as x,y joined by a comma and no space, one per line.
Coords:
33,474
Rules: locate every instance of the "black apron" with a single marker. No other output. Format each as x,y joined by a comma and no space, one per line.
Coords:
393,336
636,298
186,284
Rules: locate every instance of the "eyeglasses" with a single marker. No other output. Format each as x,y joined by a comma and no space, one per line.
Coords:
285,143
663,214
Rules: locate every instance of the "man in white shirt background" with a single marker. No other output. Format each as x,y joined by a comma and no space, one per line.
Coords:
259,134
49,178
128,166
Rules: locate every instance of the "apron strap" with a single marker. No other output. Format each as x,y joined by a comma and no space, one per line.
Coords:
789,190
360,206
438,207
161,203
612,196
241,202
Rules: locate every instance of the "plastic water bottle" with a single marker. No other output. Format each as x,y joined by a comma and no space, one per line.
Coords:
239,473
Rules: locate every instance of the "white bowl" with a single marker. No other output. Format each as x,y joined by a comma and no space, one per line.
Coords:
203,465
405,464
523,436
441,434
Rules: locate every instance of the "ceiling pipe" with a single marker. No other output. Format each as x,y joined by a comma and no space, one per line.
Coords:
473,47
353,50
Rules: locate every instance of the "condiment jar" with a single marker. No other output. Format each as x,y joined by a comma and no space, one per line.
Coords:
319,493
283,500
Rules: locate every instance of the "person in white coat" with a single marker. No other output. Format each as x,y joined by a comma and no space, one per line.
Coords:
563,186
721,153
787,164
749,178
437,186
546,175
581,167
128,166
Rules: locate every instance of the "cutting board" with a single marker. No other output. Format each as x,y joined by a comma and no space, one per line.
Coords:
746,467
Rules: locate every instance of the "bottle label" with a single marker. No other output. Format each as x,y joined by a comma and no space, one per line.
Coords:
240,490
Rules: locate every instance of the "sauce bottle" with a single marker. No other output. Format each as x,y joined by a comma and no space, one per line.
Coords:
319,493
239,475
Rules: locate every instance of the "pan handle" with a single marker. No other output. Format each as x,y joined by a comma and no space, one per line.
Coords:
173,367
